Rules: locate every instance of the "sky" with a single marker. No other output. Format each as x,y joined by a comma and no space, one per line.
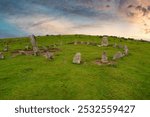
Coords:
125,18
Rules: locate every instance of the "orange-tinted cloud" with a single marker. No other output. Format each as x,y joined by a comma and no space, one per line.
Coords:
129,18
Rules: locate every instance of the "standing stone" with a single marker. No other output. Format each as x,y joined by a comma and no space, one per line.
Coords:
1,56
77,58
118,55
34,45
104,58
126,50
33,40
49,55
104,41
5,48
35,50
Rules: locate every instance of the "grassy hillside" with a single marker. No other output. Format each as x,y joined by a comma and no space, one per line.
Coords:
34,77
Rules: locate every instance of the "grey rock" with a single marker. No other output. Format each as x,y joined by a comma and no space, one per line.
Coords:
77,58
34,45
1,56
49,55
104,41
118,55
126,50
104,58
33,40
5,48
36,51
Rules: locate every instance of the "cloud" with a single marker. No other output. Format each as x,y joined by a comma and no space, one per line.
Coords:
41,24
114,17
136,11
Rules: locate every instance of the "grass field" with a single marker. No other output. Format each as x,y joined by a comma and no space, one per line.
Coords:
34,77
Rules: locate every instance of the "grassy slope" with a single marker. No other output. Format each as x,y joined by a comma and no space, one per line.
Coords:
30,77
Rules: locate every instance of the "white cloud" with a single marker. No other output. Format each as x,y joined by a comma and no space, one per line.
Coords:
42,25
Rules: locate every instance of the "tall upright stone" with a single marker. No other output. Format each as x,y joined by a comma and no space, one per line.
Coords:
104,41
1,56
104,58
34,45
5,48
77,58
126,50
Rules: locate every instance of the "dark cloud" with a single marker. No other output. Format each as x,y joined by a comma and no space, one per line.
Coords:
78,7
11,7
134,7
93,8
130,6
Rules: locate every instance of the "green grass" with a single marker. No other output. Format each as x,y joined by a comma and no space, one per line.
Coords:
30,77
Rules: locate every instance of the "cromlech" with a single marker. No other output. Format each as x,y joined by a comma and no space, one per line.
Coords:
77,58
34,45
